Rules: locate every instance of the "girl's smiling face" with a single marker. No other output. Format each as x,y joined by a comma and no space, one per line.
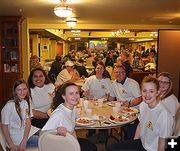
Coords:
149,94
164,84
38,78
99,70
21,91
71,96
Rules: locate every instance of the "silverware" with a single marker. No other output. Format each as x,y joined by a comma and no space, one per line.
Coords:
99,122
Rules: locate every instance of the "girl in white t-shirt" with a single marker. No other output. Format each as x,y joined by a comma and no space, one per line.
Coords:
168,99
155,122
42,94
16,118
63,116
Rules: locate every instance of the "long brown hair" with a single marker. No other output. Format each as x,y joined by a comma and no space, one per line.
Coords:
170,89
60,90
30,79
17,100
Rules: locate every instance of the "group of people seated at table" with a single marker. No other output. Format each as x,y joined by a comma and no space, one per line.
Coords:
31,102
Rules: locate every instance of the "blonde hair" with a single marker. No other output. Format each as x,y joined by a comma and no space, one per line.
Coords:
151,79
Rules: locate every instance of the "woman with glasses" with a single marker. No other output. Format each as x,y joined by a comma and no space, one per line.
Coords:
169,100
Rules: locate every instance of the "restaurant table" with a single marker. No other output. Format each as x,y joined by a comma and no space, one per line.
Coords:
100,116
104,112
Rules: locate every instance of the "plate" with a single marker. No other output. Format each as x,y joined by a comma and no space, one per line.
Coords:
119,120
111,103
129,110
98,117
85,121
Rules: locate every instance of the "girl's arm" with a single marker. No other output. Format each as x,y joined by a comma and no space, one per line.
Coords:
22,145
138,130
86,93
161,144
74,134
8,139
39,115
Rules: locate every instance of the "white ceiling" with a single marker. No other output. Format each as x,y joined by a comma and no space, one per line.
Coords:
99,14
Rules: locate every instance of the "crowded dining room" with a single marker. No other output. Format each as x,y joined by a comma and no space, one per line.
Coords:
87,75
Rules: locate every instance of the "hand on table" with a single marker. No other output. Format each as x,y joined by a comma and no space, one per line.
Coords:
125,103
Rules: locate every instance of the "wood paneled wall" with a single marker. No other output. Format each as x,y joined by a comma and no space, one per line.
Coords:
169,56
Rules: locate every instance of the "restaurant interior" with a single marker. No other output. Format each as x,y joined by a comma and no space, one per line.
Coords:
91,25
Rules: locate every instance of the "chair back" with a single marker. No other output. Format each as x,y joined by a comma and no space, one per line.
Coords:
49,140
2,140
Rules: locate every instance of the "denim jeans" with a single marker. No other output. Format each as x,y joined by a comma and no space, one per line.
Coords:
32,141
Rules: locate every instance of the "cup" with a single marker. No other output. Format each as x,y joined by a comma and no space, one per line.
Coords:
85,104
118,104
78,112
100,103
115,109
89,112
81,102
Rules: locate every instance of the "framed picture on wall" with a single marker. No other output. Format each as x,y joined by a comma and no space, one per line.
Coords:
45,47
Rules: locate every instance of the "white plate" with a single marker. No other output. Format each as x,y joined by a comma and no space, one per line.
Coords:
98,117
111,103
129,110
87,121
117,120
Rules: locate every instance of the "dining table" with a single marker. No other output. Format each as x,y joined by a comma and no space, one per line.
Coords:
100,114
103,115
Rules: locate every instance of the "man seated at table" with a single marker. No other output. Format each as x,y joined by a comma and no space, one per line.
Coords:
127,91
67,74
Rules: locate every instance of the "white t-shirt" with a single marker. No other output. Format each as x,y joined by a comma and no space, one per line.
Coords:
61,116
171,104
10,117
128,91
62,77
97,88
42,97
154,123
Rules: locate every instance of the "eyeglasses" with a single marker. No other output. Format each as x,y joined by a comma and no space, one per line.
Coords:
163,82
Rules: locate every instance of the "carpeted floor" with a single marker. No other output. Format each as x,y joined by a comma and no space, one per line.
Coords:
101,146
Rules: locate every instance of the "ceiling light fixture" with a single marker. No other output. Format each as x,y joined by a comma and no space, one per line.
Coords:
71,22
63,10
119,32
